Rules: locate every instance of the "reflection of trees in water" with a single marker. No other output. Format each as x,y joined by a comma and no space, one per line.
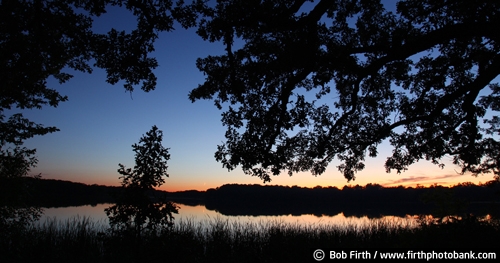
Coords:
199,216
372,201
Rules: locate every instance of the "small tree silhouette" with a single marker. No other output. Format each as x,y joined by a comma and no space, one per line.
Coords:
138,207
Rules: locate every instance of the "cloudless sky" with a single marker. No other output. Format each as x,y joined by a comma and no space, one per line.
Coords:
100,122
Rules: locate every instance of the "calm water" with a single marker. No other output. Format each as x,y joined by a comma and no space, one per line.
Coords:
199,214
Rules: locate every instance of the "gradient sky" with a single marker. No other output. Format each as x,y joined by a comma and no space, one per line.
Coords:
100,122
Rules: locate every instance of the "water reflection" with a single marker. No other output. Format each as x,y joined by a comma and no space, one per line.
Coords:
200,215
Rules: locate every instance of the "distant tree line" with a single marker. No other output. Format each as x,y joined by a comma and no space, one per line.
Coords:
372,200
58,193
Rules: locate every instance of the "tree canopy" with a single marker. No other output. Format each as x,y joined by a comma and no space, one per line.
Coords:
306,82
40,40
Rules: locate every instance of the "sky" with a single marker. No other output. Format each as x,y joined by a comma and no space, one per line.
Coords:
100,122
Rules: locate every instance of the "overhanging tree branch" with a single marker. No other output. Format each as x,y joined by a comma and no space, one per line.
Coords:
436,101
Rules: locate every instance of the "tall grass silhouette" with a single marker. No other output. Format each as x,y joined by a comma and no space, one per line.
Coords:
80,239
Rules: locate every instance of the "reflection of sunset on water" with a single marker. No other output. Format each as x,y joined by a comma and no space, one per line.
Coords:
200,215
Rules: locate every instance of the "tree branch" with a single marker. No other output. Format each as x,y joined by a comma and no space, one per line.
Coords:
427,41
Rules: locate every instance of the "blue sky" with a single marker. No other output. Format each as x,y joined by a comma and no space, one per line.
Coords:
100,122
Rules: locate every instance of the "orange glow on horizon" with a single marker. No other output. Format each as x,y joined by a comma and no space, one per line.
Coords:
203,183
185,186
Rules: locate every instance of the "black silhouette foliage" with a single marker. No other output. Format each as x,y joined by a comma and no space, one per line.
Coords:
15,211
49,39
305,83
42,39
137,207
16,162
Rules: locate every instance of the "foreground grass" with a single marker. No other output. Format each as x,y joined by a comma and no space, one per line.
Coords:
217,240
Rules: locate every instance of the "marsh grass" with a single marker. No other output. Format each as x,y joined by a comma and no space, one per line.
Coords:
80,239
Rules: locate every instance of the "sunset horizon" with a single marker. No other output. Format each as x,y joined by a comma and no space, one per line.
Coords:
410,181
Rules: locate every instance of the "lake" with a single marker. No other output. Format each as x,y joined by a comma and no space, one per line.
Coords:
199,214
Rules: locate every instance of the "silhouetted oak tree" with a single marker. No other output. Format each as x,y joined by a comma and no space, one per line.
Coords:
309,82
138,208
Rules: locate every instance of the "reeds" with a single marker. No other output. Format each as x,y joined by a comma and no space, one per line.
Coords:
221,240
